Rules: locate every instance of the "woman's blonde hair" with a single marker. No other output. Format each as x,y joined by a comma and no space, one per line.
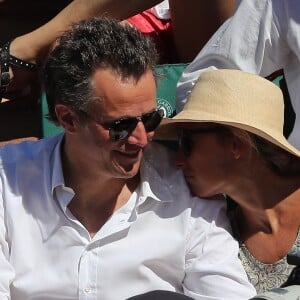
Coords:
279,160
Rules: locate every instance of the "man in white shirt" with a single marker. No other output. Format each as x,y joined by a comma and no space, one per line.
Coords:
263,36
92,213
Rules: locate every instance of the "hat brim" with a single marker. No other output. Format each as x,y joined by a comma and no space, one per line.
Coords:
169,128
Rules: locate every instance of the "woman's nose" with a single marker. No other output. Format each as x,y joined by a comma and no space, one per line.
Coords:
179,159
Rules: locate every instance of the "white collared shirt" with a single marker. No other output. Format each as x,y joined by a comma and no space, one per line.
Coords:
162,238
261,37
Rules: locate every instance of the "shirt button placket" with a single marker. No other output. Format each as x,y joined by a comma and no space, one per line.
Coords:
88,275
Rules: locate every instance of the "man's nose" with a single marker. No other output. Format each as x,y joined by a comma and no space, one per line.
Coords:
139,135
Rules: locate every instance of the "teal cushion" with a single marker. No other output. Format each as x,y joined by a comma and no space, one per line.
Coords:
167,78
48,127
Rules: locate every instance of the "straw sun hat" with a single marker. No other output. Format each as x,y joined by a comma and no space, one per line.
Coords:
235,98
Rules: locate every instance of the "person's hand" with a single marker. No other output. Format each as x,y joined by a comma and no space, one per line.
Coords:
21,84
19,140
22,78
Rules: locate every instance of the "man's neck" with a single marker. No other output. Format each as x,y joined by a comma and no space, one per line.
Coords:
93,206
97,196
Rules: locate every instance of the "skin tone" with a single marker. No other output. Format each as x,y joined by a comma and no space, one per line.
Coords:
206,170
94,165
204,19
190,34
195,21
35,45
16,141
267,216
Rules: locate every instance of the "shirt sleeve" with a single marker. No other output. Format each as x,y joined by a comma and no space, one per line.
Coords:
213,269
253,40
6,270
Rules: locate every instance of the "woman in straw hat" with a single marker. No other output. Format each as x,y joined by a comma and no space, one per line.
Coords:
230,134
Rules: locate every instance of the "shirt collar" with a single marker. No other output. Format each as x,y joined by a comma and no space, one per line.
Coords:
152,186
53,220
57,177
158,176
60,192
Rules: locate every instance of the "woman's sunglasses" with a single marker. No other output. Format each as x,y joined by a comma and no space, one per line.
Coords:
120,129
185,137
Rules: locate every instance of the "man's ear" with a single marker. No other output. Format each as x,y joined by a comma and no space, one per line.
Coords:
66,117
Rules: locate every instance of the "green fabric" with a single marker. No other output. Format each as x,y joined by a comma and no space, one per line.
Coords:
48,127
168,76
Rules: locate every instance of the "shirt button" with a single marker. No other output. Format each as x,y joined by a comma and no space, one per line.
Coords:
88,289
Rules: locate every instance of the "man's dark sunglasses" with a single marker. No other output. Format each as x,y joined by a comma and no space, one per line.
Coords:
120,129
185,137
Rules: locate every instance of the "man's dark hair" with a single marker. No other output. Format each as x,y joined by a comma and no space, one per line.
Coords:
88,46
